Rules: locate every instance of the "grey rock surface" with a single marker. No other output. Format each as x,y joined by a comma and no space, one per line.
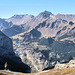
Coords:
7,55
6,45
4,24
63,66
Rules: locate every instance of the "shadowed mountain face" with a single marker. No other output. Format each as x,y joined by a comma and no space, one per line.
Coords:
43,40
7,55
14,30
4,24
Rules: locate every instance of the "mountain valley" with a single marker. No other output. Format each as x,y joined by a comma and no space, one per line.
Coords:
40,41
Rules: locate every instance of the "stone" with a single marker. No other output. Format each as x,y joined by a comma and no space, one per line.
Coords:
71,63
60,66
63,66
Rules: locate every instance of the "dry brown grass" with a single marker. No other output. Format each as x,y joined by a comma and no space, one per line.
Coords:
67,71
3,74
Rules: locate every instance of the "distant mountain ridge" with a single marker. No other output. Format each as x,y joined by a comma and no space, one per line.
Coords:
28,22
66,17
19,19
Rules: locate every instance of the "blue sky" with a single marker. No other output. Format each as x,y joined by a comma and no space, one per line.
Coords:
10,7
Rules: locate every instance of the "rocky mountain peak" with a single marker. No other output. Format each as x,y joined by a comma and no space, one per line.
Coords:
19,19
45,14
21,16
17,16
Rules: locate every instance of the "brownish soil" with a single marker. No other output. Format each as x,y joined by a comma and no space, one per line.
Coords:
3,74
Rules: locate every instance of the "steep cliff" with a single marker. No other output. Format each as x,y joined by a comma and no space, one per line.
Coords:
7,55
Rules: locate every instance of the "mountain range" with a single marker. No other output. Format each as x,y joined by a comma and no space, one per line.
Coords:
43,40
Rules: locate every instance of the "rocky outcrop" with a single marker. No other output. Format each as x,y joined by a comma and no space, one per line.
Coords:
71,64
60,66
63,66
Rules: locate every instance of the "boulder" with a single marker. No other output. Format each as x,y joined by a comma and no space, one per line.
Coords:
60,66
71,63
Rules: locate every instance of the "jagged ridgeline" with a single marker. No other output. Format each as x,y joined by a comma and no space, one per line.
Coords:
43,40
